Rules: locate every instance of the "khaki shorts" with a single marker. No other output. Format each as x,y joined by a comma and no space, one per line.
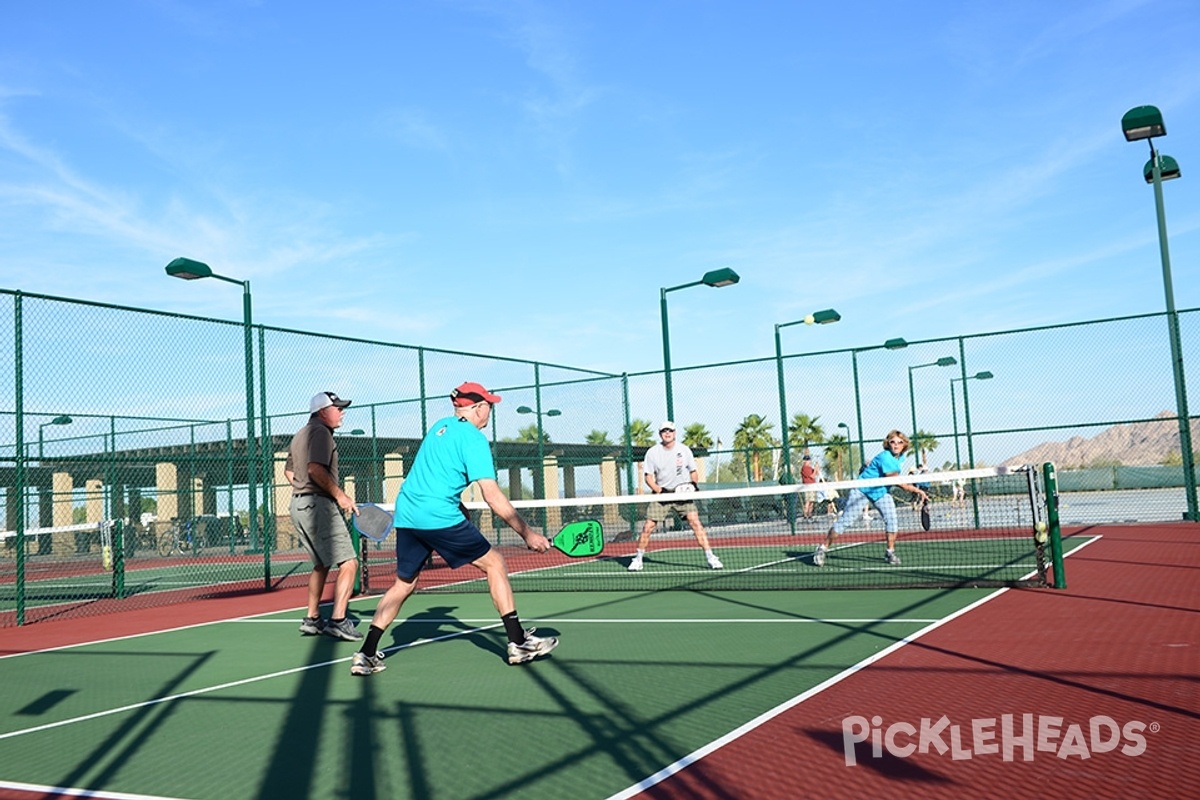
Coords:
657,512
321,530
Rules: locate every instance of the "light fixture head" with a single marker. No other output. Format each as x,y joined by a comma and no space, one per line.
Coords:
983,376
826,317
61,420
895,344
554,412
1143,122
1168,169
720,277
188,270
947,361
524,410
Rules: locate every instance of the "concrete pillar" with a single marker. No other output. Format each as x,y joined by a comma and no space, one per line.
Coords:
701,469
514,483
393,476
568,480
550,492
166,476
283,489
350,487
61,485
197,497
610,487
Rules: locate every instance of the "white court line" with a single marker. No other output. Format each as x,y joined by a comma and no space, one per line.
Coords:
231,684
742,730
57,791
452,635
642,621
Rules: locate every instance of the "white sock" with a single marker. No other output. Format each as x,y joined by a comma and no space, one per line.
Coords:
640,553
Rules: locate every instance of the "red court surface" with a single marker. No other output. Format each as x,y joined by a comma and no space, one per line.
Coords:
1119,650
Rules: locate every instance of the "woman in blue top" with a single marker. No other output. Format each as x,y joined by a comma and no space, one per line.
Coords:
884,465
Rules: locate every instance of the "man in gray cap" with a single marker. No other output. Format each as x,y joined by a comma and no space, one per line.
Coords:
317,506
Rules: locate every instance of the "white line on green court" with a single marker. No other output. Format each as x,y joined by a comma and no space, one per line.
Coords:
643,621
231,684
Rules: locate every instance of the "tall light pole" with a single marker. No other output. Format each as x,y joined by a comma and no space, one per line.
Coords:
189,270
944,361
891,344
541,443
715,278
1146,122
826,317
979,376
62,419
849,446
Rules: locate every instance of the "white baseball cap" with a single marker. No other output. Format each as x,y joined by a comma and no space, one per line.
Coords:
325,400
666,426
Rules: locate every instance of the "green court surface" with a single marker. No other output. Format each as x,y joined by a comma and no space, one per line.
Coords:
249,708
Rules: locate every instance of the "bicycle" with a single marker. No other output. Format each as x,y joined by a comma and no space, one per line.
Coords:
180,539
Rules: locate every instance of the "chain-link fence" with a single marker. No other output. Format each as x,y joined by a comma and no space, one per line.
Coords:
129,478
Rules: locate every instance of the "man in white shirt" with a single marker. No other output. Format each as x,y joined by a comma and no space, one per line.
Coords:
670,468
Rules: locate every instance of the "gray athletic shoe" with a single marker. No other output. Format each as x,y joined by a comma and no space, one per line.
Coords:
533,647
891,558
312,626
362,664
342,630
818,556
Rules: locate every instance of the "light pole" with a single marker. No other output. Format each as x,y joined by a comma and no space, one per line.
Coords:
715,278
891,344
59,420
1146,122
944,361
554,412
849,446
979,376
189,270
826,317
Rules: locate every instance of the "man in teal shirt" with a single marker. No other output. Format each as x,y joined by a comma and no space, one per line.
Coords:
429,517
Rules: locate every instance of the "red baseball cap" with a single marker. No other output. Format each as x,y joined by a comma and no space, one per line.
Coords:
471,393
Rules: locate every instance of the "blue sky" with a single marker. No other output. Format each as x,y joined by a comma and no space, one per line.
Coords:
521,178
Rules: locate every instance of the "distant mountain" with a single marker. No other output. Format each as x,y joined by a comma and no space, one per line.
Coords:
1139,443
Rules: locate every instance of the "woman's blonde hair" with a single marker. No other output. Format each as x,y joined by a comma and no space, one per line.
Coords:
897,435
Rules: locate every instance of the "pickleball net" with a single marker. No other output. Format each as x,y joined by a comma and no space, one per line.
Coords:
997,529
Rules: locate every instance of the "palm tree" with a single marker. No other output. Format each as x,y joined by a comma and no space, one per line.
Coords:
598,437
754,436
803,430
530,434
696,435
837,453
924,444
639,434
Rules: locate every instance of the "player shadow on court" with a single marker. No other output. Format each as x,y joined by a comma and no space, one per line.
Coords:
439,622
886,764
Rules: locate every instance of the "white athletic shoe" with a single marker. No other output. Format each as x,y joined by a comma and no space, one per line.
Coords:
714,562
891,558
533,647
818,556
636,564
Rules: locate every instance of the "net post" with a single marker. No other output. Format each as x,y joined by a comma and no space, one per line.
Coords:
1055,530
118,559
360,552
